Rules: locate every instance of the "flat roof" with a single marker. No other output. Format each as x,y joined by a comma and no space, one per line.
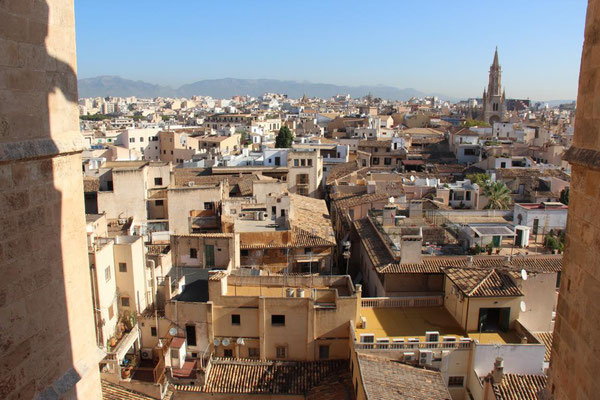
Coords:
408,322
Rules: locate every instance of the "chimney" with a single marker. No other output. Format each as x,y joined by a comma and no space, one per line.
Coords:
389,215
469,261
498,372
371,187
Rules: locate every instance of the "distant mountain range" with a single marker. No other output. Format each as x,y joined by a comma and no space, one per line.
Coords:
103,86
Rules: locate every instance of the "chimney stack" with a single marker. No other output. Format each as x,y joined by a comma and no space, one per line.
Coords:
498,372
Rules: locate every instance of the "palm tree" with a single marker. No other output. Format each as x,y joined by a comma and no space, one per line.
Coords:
498,196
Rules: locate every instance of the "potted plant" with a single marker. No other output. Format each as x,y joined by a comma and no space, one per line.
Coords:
125,372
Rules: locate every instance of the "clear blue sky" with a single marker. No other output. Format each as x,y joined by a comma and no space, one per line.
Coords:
434,46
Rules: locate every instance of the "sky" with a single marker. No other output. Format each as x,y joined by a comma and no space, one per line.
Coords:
435,46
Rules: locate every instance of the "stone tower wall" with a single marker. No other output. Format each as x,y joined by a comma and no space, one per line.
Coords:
47,346
575,360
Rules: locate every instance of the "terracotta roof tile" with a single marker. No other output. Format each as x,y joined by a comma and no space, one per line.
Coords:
483,282
434,264
272,377
374,246
520,387
111,391
387,379
546,338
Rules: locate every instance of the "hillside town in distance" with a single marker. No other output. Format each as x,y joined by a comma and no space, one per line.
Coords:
319,248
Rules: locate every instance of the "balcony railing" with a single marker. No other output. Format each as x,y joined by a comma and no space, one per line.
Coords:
413,301
462,345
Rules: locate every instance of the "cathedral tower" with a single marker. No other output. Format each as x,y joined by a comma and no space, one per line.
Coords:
493,98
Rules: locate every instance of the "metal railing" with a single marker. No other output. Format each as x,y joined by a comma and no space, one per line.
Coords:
391,302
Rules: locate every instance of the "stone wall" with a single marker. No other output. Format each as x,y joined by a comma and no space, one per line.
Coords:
46,323
576,346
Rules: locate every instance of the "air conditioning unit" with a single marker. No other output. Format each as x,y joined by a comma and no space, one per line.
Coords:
425,357
432,336
363,323
146,353
409,356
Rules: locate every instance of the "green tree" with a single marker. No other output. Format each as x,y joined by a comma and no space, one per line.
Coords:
479,178
564,196
284,138
498,195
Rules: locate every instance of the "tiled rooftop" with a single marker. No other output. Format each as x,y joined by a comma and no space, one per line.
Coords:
520,387
433,264
483,282
546,338
386,379
111,391
269,377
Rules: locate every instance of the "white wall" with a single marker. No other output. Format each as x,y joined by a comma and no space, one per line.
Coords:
518,358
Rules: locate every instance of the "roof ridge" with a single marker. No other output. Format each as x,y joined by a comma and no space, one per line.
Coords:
485,278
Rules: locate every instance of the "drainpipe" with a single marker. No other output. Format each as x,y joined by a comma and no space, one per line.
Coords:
154,289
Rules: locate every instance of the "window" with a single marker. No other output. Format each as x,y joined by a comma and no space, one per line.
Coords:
375,150
307,250
107,274
309,162
323,352
153,331
141,139
235,319
131,140
208,206
282,212
387,149
244,253
280,350
190,333
277,320
253,352
174,353
302,162
375,160
122,267
387,161
158,203
277,160
228,353
158,181
296,163
125,301
193,253
456,381
111,312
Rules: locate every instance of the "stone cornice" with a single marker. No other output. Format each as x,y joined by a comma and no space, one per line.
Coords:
581,156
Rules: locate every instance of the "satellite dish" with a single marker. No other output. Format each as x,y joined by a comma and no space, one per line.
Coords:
225,342
391,199
523,306
240,341
412,178
524,274
216,342
173,331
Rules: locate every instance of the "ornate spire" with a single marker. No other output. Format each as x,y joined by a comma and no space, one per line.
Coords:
496,64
